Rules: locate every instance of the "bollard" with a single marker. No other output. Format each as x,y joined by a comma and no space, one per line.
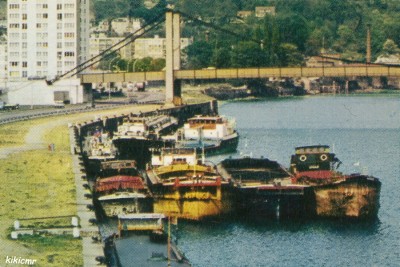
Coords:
16,225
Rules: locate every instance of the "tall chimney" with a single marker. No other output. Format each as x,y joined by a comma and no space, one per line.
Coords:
368,58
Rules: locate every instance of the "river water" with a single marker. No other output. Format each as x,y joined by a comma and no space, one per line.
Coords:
363,131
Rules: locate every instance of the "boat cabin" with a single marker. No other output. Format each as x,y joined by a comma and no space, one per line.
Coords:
312,158
208,127
170,156
118,167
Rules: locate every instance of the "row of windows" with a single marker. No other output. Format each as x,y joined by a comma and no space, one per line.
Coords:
13,6
16,26
44,6
42,63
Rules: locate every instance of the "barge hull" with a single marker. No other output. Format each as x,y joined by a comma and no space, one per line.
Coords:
353,198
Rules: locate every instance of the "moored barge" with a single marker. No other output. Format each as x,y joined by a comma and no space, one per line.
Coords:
263,188
120,189
337,195
185,187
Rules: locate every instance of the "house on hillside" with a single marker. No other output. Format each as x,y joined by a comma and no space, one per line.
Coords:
388,59
244,14
262,11
325,60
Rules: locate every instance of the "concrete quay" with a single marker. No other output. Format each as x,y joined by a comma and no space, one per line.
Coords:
91,249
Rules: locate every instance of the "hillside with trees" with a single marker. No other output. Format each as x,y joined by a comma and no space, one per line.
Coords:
299,28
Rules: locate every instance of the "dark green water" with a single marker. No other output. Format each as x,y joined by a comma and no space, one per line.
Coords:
362,129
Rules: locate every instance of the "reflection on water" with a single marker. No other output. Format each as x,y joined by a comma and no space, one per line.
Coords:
360,129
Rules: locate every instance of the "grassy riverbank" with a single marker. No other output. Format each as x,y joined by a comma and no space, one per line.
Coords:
36,182
40,183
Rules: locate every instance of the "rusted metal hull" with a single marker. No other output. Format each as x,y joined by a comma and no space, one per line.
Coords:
354,197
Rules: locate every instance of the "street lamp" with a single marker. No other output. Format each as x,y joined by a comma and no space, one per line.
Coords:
133,64
111,62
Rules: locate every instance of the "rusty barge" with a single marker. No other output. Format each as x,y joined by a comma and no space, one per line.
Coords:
337,195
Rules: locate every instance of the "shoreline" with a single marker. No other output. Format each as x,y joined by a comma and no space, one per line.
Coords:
28,169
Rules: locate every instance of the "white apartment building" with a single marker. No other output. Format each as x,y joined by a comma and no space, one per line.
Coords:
99,42
124,26
154,47
46,37
140,48
3,62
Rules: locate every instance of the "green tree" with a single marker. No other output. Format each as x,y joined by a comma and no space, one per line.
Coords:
248,54
221,58
293,29
290,56
390,48
157,64
199,55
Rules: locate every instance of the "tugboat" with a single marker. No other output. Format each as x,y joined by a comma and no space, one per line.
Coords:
211,134
121,190
336,194
264,188
185,187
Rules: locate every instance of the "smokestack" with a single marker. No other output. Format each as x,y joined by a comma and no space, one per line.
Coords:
368,58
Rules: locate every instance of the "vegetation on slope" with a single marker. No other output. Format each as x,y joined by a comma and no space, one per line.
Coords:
299,29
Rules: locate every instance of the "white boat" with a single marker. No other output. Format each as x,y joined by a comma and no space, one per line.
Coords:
213,134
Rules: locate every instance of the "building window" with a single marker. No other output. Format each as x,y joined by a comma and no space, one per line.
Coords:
69,35
14,35
24,26
24,16
69,54
24,64
59,6
13,6
14,63
24,74
45,15
69,15
38,25
59,16
14,73
13,16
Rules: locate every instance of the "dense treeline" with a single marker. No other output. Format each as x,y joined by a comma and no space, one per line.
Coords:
299,29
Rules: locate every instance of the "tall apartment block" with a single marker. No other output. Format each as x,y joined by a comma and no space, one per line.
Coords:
46,37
